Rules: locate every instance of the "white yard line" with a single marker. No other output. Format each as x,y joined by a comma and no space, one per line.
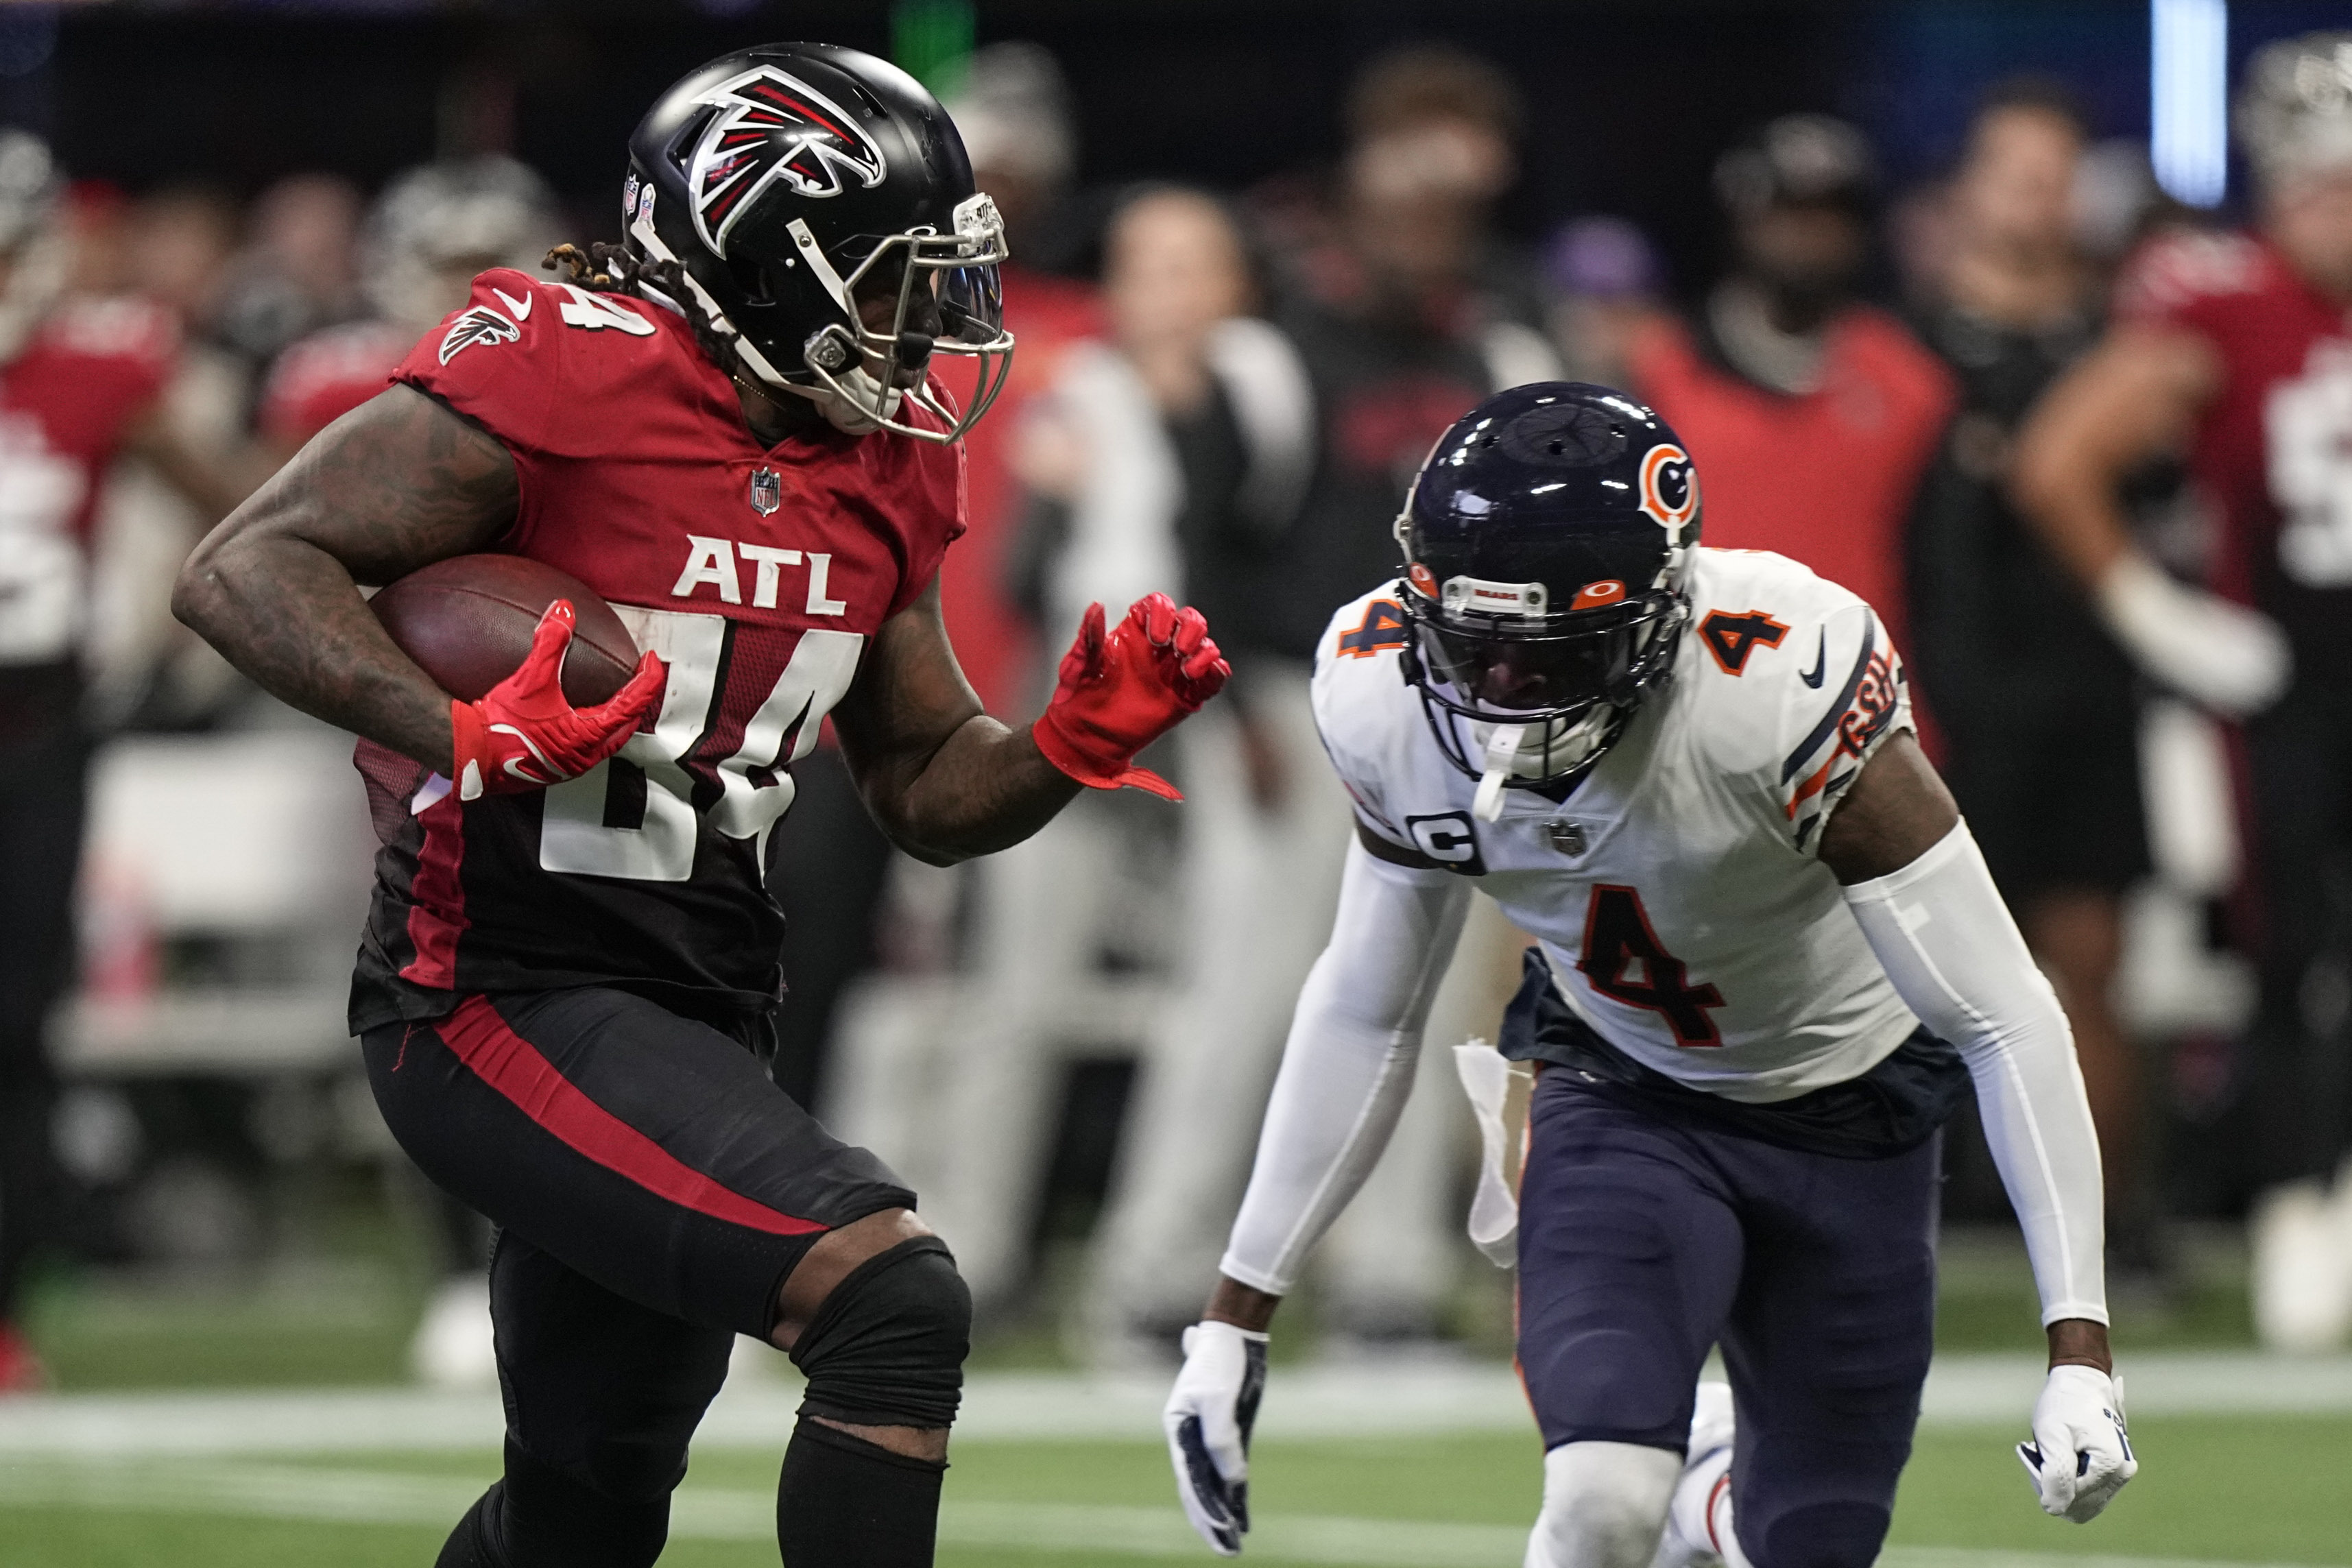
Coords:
711,1513
1302,1402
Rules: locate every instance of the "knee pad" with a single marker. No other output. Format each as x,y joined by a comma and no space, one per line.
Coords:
1604,1505
888,1347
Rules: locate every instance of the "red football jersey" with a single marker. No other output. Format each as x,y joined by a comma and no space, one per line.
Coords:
2272,451
65,401
757,573
327,375
1825,478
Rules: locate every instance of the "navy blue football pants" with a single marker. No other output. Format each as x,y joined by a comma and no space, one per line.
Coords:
1645,1240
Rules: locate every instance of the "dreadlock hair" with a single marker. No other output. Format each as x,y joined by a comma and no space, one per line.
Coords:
610,268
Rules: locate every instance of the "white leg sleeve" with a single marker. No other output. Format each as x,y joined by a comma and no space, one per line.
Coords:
1955,958
1604,1505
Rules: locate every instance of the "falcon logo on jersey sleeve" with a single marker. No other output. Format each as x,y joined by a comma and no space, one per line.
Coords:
773,127
1731,637
479,325
1832,751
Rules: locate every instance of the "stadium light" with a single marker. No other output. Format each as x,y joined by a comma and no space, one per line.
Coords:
2188,138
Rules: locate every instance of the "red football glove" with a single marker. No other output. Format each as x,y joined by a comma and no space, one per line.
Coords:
523,734
1122,690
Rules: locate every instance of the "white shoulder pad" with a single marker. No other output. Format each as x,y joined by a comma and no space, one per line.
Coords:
1794,681
1365,712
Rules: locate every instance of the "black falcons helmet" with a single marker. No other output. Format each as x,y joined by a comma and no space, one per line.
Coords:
791,179
1546,542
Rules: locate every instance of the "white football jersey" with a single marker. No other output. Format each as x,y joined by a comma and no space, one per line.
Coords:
1676,891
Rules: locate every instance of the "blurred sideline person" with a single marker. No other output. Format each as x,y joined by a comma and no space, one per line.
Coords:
563,992
1772,964
1788,388
433,229
2039,706
2237,346
1145,437
299,269
1404,313
1201,439
80,381
1603,277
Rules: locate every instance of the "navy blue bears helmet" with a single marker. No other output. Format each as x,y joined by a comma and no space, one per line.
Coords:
1546,543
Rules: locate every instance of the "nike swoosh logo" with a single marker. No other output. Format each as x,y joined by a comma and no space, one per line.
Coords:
522,307
1820,658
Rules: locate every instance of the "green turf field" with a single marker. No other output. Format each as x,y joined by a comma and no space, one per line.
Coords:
2241,1488
2275,1490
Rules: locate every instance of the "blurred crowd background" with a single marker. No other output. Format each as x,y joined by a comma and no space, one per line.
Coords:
1264,254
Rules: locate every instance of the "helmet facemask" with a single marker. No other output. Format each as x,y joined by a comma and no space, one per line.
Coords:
946,298
1533,701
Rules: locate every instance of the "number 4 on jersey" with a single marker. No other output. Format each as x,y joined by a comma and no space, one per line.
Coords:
1383,626
596,311
1624,961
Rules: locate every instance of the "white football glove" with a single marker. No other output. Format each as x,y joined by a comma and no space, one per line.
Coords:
1208,1419
2080,1456
2225,656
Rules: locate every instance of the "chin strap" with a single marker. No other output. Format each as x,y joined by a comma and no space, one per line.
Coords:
1502,751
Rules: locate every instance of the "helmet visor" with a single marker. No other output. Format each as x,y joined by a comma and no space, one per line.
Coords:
1513,672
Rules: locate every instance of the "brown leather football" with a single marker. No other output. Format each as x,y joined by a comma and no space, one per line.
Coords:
467,620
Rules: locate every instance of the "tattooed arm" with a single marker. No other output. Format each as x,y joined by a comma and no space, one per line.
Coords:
945,781
396,484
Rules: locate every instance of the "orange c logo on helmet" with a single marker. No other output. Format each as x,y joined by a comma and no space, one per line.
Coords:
1669,485
1594,595
1421,577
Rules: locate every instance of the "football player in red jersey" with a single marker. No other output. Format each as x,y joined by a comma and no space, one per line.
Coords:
2238,345
79,381
725,429
432,230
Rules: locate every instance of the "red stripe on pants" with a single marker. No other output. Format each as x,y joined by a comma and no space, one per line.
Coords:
514,1067
437,913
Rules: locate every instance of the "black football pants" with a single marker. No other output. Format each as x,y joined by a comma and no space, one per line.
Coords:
652,1188
44,782
2300,756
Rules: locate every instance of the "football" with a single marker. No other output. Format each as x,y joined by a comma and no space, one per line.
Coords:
467,620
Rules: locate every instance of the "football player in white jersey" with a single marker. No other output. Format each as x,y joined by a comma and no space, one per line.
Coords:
1770,962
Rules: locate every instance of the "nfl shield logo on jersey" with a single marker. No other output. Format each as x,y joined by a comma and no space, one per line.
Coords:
767,491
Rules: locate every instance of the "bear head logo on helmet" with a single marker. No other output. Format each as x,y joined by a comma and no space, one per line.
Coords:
821,213
1546,543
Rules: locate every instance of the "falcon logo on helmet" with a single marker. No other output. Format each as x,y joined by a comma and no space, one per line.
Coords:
771,128
800,191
